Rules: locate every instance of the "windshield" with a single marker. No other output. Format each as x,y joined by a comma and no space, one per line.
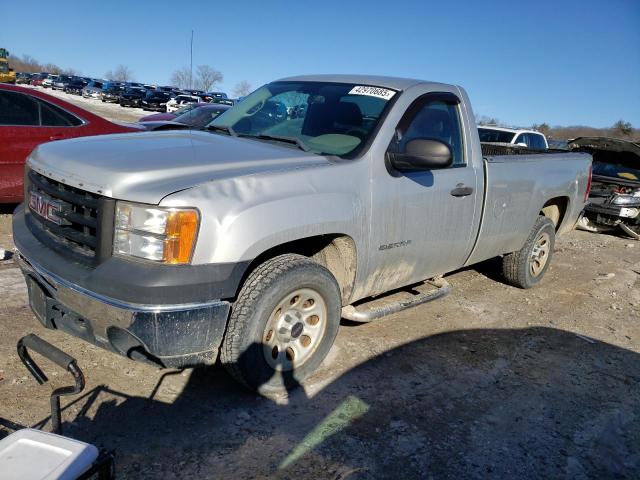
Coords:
187,107
325,118
200,117
496,136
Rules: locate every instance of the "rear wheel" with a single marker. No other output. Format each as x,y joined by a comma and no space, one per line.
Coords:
283,323
526,267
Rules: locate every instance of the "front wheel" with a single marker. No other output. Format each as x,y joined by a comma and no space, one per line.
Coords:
526,267
283,323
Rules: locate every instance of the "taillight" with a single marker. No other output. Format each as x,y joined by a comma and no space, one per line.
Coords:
588,190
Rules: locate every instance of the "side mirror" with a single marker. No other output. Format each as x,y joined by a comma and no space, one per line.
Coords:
422,154
522,144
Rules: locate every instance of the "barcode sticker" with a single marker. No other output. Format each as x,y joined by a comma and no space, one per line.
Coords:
378,92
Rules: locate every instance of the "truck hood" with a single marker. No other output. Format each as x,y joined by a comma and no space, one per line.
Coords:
146,167
612,158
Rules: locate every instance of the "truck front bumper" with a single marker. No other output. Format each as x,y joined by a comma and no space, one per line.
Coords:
150,315
167,335
174,336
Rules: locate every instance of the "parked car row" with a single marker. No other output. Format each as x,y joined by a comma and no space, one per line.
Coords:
126,94
30,117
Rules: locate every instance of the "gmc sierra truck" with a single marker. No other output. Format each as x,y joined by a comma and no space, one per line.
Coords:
249,240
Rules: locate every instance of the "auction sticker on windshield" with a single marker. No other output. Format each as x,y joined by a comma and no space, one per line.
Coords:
378,92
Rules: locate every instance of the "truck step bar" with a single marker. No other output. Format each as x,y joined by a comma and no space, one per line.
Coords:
396,302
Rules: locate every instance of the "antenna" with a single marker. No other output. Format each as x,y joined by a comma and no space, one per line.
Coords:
191,66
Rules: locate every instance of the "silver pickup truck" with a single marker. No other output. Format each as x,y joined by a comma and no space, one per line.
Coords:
250,240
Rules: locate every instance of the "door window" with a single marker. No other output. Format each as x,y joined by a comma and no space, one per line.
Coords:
432,119
18,109
53,116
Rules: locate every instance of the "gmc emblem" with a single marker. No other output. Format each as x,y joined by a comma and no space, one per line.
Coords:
46,208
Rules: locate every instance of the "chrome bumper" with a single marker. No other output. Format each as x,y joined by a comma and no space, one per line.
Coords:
171,334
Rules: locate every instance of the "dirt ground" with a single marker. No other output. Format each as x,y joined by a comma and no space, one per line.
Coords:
489,382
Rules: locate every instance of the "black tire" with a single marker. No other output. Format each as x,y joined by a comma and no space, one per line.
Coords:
516,266
242,348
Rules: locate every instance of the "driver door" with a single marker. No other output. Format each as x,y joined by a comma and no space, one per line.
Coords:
423,222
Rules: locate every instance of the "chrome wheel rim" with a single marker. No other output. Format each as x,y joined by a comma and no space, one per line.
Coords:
294,330
539,254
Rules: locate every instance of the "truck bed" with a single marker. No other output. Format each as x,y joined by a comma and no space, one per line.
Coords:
517,185
498,149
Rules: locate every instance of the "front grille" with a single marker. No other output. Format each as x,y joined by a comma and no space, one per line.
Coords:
86,232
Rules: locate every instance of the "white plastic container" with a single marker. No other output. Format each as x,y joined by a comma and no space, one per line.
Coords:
30,454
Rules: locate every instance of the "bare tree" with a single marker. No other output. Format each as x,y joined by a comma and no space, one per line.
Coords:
52,68
207,77
25,64
180,78
623,128
542,127
122,73
486,120
242,89
71,72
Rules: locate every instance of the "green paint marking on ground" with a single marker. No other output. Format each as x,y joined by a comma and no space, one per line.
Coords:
348,411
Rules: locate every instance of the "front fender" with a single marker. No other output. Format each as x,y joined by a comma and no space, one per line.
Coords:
243,217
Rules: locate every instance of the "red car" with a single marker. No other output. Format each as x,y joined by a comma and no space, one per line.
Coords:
37,80
29,118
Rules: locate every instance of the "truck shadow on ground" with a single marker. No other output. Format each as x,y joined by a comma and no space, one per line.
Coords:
526,403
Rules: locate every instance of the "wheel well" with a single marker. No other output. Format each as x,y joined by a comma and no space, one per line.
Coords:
555,209
335,252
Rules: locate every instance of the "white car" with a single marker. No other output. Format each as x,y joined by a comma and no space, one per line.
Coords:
48,82
180,101
513,136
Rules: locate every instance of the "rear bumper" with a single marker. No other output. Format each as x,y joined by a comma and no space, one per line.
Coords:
174,316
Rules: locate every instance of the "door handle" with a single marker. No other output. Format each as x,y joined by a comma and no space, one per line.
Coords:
56,136
461,190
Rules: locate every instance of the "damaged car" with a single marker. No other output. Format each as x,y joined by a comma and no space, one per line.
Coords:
614,201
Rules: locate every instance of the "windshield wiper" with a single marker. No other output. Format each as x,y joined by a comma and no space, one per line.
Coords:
292,140
222,128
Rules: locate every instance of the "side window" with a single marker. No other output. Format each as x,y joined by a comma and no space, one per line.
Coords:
53,116
522,138
538,141
435,120
18,109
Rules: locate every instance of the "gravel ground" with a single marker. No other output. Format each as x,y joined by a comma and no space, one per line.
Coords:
489,382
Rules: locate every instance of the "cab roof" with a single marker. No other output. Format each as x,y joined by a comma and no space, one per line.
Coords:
395,83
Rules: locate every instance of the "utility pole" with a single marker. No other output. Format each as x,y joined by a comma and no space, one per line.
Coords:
191,67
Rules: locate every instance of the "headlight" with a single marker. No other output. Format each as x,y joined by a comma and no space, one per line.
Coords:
166,235
627,199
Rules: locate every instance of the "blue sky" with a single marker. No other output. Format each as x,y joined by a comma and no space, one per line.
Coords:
564,62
